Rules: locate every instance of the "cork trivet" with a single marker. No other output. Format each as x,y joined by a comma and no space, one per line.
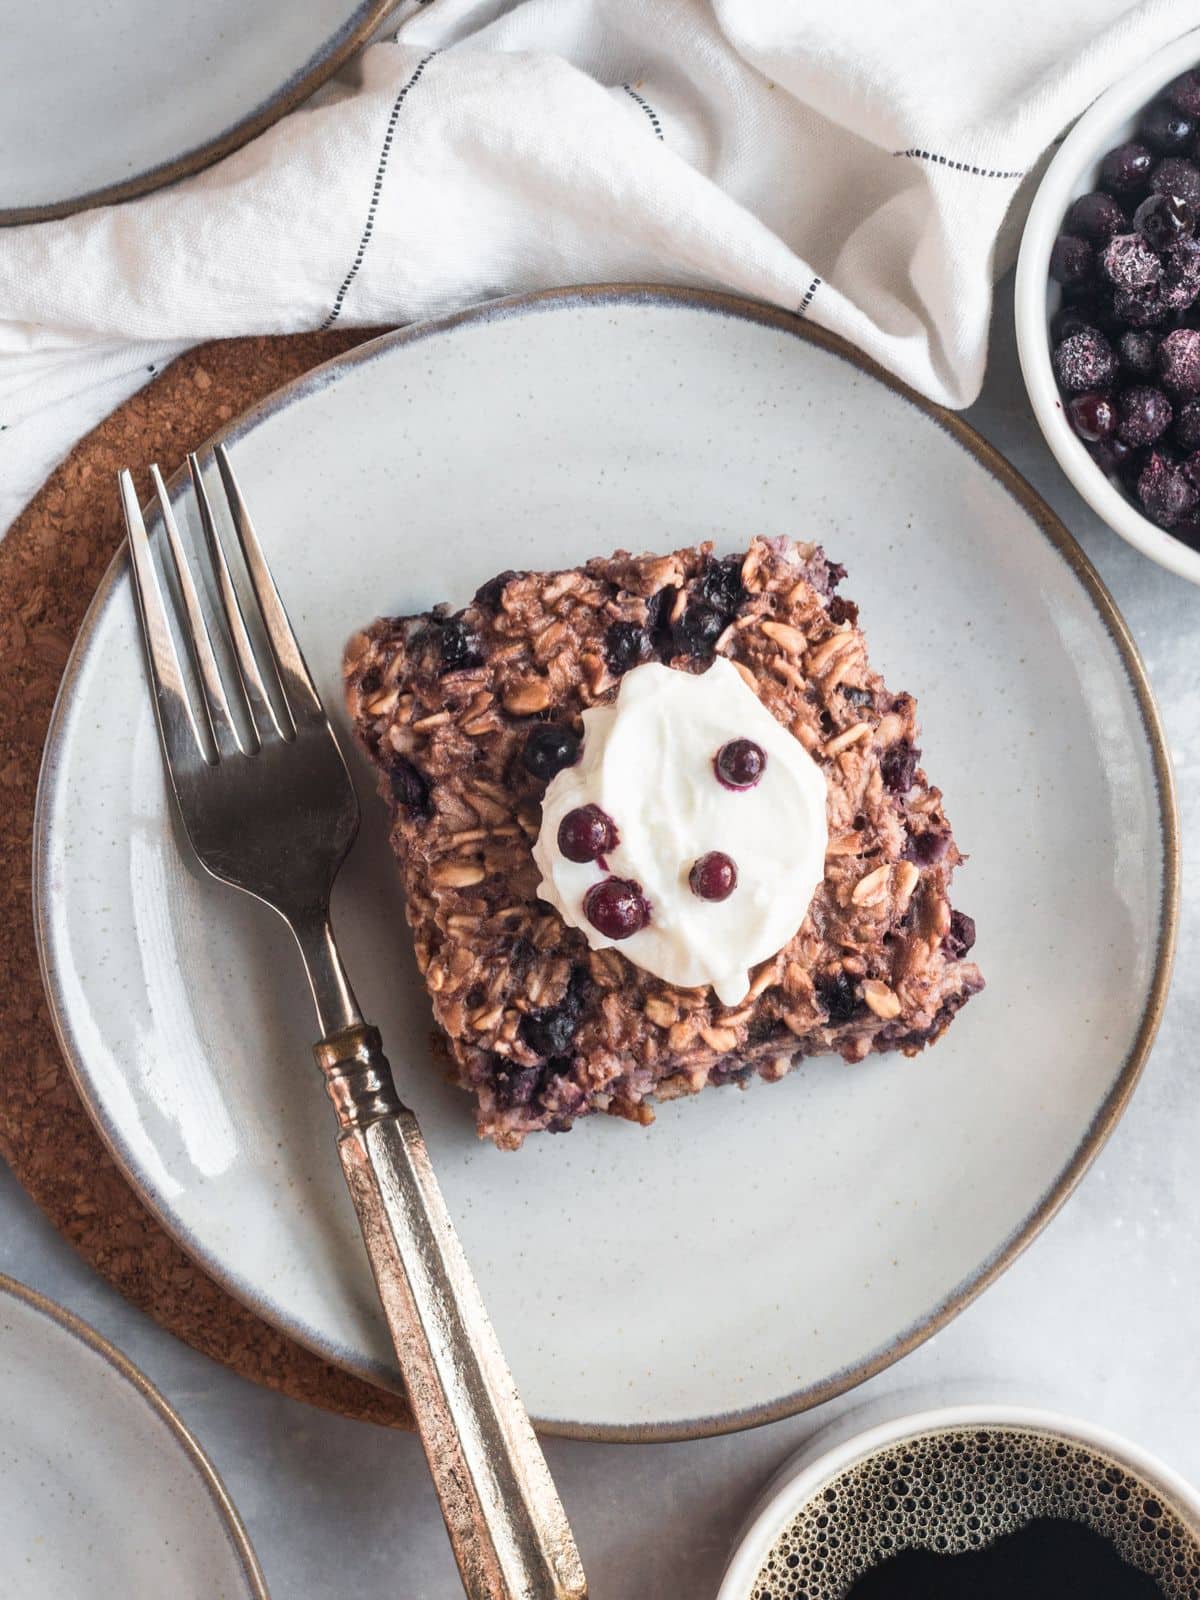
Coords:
50,563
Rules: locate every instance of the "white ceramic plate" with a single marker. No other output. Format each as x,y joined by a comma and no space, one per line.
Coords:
119,96
104,1491
752,1253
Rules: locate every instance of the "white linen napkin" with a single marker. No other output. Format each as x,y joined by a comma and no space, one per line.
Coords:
854,163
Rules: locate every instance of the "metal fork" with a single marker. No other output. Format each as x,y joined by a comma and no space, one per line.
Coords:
269,807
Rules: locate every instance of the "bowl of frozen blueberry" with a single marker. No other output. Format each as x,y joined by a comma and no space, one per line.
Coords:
1108,307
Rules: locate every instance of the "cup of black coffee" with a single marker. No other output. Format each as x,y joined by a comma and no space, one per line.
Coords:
973,1504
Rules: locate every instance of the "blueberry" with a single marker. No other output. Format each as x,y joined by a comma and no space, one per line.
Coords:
1126,169
1114,456
1135,352
1072,260
1187,426
1165,128
1143,414
696,632
1179,361
740,764
721,585
1139,308
625,645
713,877
513,1085
1162,220
1069,320
1096,217
410,788
1179,177
898,766
838,994
1181,276
549,748
587,834
1084,361
617,908
1128,261
1093,416
927,849
1165,491
550,1030
961,936
488,594
1184,93
458,647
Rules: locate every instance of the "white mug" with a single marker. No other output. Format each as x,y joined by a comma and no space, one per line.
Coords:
837,1448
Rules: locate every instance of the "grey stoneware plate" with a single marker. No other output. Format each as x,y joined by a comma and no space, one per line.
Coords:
113,98
105,1492
751,1254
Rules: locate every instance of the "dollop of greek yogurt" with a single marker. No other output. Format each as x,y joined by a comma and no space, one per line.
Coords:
649,763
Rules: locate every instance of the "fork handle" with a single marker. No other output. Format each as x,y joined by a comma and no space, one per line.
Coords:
506,1523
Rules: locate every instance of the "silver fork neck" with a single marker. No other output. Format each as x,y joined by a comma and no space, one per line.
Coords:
337,1009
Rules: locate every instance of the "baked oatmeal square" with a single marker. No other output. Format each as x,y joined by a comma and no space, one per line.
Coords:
472,716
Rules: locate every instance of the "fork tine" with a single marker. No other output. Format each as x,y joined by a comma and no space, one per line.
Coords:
245,660
298,688
172,702
225,730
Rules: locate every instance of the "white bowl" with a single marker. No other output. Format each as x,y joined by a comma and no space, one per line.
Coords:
1110,121
842,1445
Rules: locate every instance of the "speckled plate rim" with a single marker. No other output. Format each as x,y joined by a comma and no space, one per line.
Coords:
158,1403
1044,519
334,53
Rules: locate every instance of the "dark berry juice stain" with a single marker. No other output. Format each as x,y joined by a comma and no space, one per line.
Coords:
1049,1559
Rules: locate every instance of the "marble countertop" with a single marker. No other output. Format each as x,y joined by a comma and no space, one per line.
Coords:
1101,1316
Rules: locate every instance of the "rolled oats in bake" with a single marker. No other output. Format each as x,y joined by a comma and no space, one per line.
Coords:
472,717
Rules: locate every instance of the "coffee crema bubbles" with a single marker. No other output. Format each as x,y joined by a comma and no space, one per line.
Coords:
958,1490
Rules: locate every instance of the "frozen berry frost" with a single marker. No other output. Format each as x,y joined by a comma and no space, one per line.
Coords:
1135,352
1165,491
1128,262
1084,361
617,908
1181,276
587,834
740,763
1143,414
1095,217
713,877
1139,308
1179,361
1179,177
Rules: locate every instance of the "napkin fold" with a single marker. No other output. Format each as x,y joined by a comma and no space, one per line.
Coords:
864,165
